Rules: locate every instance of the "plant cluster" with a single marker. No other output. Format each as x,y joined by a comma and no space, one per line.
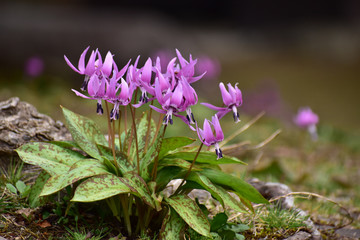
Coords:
131,168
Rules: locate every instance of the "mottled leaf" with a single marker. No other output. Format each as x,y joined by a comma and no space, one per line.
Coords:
173,143
100,187
149,158
190,212
244,189
173,226
65,144
205,157
216,191
52,158
34,199
136,182
80,170
124,165
85,133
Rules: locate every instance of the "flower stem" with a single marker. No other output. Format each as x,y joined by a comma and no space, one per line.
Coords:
124,203
119,132
148,129
189,170
156,161
108,121
136,140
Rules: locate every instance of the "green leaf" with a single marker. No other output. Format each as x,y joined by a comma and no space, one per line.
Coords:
141,190
52,158
219,221
217,191
173,143
21,186
65,144
173,226
178,163
190,212
11,188
244,189
80,170
124,165
205,157
85,133
149,158
34,199
166,174
100,187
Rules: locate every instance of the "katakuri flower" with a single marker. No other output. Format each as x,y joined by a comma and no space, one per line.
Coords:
306,118
206,135
232,100
88,70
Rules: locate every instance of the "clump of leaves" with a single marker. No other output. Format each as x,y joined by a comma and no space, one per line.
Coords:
135,193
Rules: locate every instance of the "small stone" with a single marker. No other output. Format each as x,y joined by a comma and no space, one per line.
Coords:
301,235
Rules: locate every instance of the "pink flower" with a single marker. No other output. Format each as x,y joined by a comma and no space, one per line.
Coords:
88,70
231,98
207,136
306,118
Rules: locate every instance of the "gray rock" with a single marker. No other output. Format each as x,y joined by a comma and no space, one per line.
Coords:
21,123
301,235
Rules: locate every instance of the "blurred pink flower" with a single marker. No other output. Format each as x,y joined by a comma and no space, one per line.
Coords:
34,66
209,65
306,118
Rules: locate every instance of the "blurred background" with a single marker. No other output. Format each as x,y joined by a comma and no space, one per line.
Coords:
284,54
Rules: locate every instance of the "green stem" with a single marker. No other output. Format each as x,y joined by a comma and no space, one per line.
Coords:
148,129
124,204
156,161
136,140
119,132
109,124
113,148
189,170
125,122
161,116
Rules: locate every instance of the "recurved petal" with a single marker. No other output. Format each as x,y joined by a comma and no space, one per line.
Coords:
108,64
227,99
93,85
207,133
182,60
81,64
71,66
124,94
123,70
213,107
90,67
194,79
217,127
79,94
146,71
177,96
232,92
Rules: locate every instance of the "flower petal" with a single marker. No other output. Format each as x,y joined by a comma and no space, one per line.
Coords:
81,64
227,99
